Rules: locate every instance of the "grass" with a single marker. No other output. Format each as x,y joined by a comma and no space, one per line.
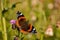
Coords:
6,31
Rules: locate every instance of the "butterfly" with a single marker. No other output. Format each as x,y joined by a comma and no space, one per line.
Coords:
22,24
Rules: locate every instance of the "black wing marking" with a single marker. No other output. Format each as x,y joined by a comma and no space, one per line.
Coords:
19,14
33,30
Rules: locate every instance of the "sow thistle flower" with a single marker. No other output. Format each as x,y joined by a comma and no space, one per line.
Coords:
13,24
12,21
49,31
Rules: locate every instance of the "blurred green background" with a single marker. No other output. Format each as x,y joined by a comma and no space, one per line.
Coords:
40,14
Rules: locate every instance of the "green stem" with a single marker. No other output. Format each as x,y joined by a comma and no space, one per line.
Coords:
3,24
42,36
4,31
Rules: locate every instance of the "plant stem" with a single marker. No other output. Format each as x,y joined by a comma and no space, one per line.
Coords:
3,23
4,27
42,36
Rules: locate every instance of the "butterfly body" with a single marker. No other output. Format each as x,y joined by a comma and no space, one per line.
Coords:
23,25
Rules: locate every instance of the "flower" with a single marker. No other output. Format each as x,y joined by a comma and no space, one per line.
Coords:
49,31
12,21
50,6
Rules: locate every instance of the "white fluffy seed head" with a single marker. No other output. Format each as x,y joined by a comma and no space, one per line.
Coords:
49,31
